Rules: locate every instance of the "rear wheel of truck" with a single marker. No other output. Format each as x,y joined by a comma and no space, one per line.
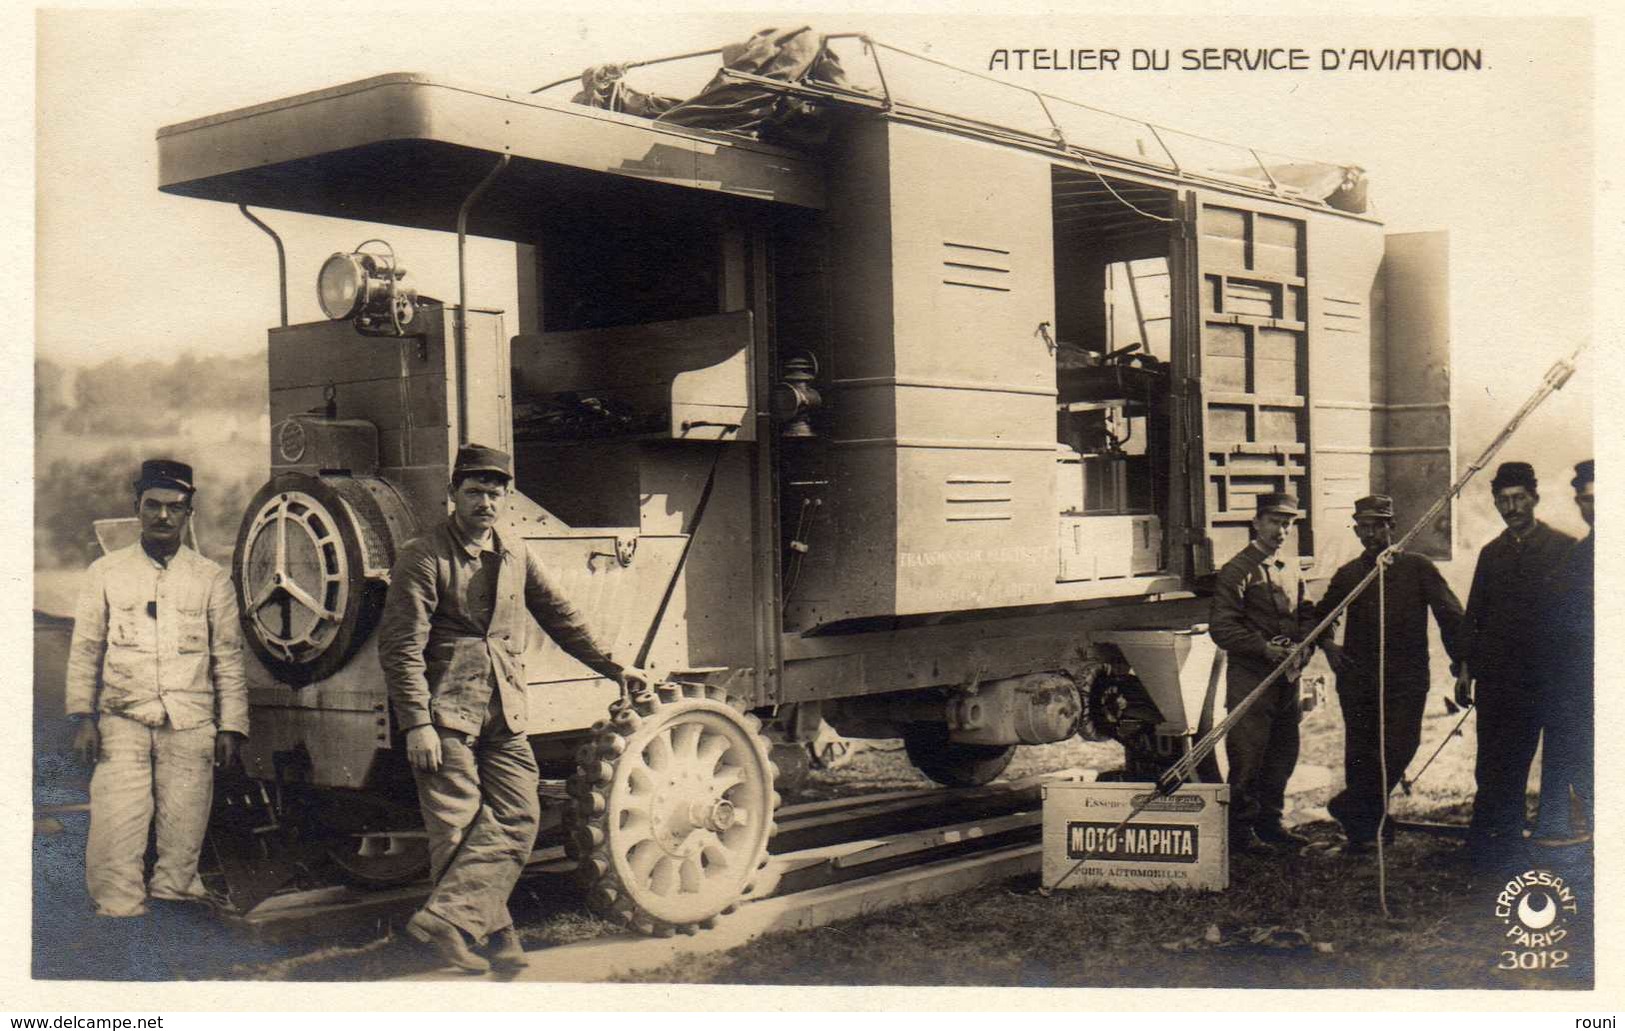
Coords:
794,764
952,763
674,799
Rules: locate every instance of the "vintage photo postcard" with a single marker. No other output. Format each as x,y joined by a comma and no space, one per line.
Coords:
892,506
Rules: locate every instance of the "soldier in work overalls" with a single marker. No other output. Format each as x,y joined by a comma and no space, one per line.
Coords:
1254,618
155,682
452,643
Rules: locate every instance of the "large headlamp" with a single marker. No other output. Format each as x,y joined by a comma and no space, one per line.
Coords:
369,289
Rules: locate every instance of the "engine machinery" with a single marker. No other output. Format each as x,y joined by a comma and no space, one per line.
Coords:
922,426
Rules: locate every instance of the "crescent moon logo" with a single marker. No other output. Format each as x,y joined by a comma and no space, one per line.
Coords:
1533,917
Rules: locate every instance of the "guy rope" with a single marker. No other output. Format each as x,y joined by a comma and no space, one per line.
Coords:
1185,767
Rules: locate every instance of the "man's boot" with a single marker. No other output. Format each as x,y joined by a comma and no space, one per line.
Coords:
1279,836
506,952
447,940
1244,841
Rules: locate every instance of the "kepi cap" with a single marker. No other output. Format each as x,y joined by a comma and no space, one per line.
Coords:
1374,506
1514,474
1285,504
1584,472
477,458
164,473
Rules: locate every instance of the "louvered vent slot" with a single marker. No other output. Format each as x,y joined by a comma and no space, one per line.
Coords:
975,267
977,499
1344,316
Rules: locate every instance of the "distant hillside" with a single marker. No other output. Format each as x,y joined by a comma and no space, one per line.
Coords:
94,425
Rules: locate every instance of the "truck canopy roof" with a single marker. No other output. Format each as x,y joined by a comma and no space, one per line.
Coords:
407,149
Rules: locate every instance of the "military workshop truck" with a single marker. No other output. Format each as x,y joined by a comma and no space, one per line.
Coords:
924,413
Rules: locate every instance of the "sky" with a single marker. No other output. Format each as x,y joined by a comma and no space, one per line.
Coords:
1501,158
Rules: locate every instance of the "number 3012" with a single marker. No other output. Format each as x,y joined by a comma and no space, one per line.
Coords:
1545,959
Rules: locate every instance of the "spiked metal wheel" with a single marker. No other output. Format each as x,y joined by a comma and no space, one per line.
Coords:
674,806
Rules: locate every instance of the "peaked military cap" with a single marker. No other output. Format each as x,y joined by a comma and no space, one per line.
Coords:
477,458
1285,504
1374,506
1514,474
164,473
1585,472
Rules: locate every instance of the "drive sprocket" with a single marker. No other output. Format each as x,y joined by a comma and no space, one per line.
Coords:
673,808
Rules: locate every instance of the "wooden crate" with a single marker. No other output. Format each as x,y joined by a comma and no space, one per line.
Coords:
1176,842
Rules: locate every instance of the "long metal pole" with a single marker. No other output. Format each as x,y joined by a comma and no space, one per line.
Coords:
462,297
1382,737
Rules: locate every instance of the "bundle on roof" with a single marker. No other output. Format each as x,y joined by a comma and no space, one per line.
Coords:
1343,187
741,107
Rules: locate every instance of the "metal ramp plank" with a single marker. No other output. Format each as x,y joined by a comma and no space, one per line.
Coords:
605,958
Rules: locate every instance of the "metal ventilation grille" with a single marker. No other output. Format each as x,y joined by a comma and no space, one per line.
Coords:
1342,315
977,499
975,266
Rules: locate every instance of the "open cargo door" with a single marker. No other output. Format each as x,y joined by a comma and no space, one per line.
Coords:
1246,342
1415,454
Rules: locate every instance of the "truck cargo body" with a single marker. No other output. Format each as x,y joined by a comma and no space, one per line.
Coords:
981,483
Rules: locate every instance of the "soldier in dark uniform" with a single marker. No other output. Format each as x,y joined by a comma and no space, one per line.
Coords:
1504,655
1570,735
452,646
1254,618
1411,586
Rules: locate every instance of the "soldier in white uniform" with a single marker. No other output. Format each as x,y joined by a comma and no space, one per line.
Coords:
155,681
